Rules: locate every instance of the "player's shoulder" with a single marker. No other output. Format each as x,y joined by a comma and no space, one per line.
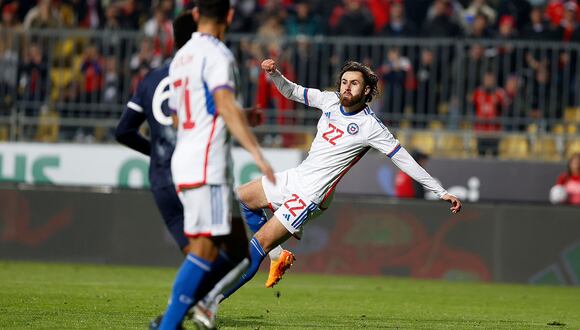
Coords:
212,47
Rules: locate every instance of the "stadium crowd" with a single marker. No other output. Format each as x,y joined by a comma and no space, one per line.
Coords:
496,79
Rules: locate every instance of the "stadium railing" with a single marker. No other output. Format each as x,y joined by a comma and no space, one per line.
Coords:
72,85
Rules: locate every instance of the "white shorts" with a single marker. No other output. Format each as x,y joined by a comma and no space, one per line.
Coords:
206,211
290,205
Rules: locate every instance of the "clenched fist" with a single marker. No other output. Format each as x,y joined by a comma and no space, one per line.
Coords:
269,66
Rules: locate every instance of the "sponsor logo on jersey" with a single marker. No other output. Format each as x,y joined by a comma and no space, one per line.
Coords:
352,128
327,114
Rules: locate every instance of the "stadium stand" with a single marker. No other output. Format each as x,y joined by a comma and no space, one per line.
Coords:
478,69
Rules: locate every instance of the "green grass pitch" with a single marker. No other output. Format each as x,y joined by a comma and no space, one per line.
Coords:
57,296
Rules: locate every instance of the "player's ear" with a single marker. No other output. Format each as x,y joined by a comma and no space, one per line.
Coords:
367,90
230,17
195,14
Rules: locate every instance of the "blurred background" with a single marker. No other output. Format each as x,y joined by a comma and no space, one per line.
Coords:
485,94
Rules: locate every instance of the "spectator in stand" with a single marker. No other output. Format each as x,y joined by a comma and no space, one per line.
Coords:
441,25
569,22
130,12
537,28
92,73
89,13
42,16
111,81
381,11
479,7
567,188
479,28
405,186
33,75
244,17
146,56
554,11
10,16
416,12
518,9
506,52
356,20
397,77
303,21
427,95
269,8
112,18
160,30
398,26
539,99
489,102
514,104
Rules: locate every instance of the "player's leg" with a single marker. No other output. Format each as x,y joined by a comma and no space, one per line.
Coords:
206,221
287,220
272,234
171,211
254,197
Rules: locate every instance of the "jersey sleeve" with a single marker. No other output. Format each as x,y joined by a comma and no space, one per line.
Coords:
137,100
381,139
311,97
219,73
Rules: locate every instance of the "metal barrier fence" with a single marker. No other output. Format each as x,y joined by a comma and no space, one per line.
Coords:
71,85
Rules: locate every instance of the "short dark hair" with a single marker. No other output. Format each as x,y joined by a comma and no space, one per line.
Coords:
370,78
216,10
183,27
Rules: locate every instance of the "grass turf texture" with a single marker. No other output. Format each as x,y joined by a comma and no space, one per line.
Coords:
57,296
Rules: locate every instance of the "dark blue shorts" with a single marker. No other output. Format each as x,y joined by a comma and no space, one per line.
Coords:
171,210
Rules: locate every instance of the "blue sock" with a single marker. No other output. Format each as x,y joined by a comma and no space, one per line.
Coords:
257,254
219,268
190,275
254,218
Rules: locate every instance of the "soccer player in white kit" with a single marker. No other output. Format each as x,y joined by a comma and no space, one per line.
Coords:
202,77
347,129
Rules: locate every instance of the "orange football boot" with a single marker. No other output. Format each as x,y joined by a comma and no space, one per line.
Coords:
279,267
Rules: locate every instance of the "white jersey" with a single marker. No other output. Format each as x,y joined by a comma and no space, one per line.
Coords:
202,152
341,141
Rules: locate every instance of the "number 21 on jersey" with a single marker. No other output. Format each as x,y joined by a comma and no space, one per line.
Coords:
332,134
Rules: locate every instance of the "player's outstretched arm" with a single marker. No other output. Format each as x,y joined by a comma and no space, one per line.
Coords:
404,161
308,96
237,124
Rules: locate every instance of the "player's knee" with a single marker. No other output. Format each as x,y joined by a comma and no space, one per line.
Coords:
252,195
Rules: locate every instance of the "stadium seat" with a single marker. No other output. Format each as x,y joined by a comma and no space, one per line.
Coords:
48,126
572,148
558,129
60,79
514,147
571,129
4,133
451,145
303,141
435,125
403,136
545,148
423,141
572,114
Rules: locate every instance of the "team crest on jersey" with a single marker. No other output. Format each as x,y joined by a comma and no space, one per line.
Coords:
352,128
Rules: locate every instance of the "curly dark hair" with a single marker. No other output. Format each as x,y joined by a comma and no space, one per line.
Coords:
370,78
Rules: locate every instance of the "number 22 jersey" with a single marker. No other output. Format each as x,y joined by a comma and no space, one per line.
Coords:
341,140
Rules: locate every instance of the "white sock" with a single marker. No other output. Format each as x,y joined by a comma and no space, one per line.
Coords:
275,253
227,282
